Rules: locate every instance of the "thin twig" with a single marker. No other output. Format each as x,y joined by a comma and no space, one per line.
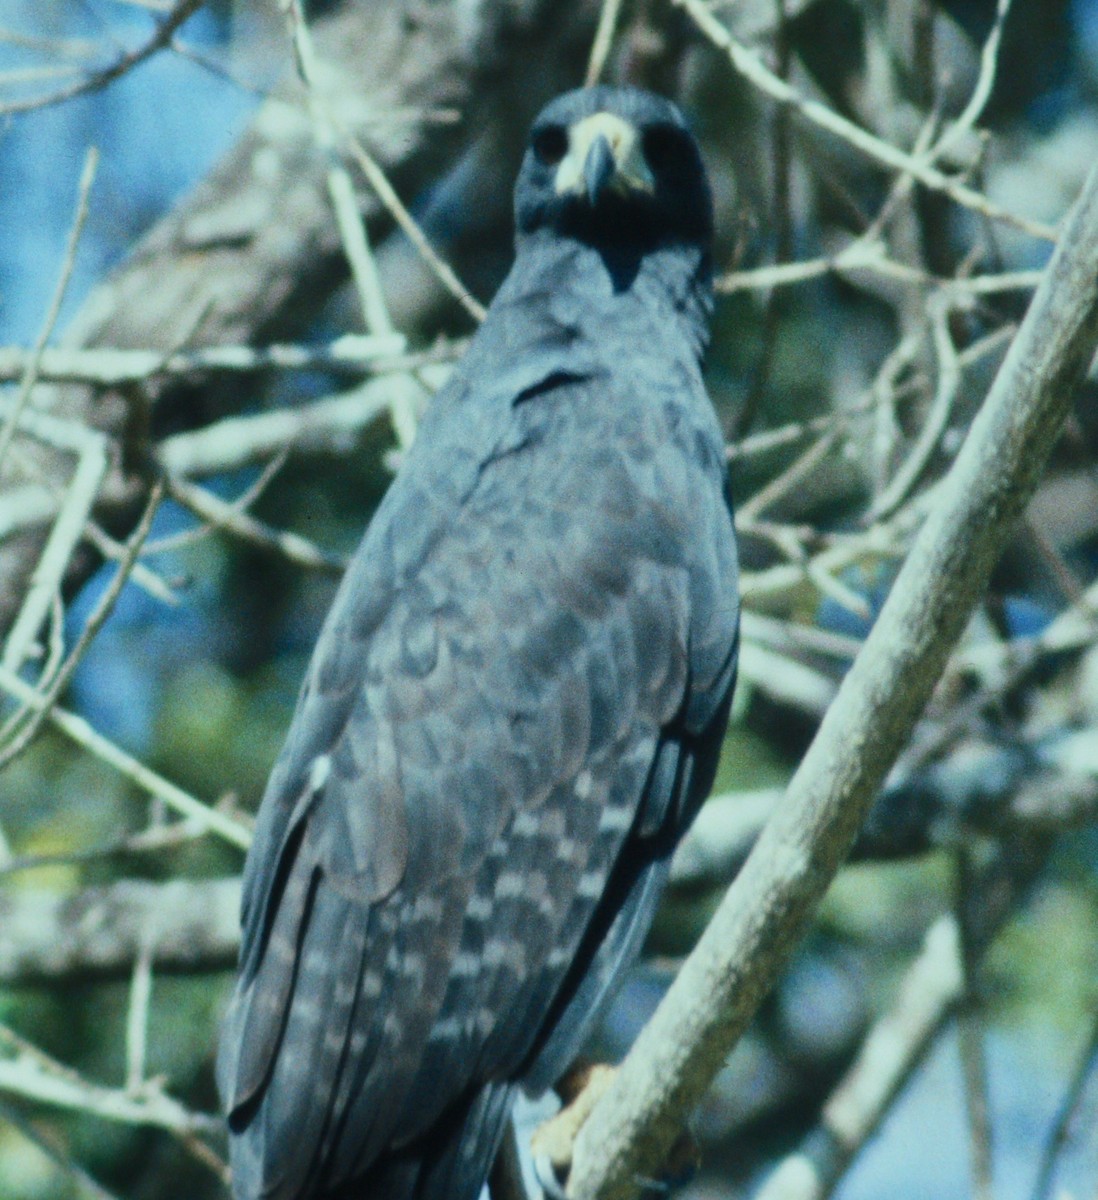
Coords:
949,382
604,39
160,40
864,253
870,255
887,539
248,497
54,659
30,369
91,468
36,1076
783,241
230,517
137,1016
985,82
752,68
386,193
38,712
327,426
83,734
352,230
21,1077
970,1036
931,988
141,575
1011,663
1067,581
85,48
930,992
795,473
21,75
795,431
148,841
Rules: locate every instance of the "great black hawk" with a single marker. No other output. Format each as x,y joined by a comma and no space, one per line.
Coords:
514,708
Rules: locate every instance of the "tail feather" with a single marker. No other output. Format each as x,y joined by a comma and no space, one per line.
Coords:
278,1134
452,1164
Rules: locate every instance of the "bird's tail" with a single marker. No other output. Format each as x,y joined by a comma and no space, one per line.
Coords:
450,1164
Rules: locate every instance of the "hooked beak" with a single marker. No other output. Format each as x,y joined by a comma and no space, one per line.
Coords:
599,169
604,154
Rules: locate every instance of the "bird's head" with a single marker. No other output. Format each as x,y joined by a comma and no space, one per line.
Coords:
616,167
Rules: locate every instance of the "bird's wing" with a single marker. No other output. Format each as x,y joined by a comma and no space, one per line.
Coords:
469,757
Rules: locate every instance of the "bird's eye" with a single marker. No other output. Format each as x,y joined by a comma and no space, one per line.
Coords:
550,144
664,147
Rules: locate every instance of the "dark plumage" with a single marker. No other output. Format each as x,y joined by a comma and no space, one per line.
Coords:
515,706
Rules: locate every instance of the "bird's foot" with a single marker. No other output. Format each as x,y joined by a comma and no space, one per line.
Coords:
553,1141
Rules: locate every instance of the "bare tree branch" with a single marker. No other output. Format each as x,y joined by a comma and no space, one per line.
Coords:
160,40
99,933
255,249
768,907
30,369
928,995
26,1078
96,933
106,367
916,166
896,1044
79,731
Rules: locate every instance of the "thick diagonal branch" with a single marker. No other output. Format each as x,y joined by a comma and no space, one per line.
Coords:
768,907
